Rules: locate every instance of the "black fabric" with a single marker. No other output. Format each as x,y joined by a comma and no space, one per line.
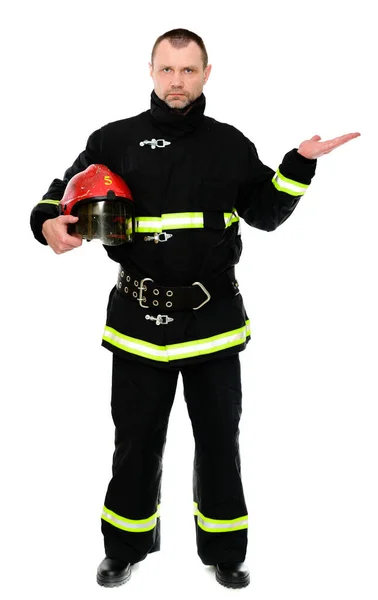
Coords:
142,398
228,312
214,399
201,165
207,167
172,120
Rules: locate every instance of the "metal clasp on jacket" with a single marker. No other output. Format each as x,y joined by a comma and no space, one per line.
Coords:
158,237
160,143
160,319
142,288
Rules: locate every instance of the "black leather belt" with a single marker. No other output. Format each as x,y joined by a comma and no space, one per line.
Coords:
150,295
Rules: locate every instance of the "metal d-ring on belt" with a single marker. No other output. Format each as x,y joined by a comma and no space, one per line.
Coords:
150,295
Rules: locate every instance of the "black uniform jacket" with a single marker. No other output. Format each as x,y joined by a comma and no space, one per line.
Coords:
193,178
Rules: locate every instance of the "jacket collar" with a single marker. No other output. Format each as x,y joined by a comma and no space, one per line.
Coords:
170,121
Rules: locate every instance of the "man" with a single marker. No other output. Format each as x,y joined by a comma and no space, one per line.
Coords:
191,179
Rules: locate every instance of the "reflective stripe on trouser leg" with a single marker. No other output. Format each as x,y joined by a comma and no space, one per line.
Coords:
142,397
218,525
132,525
213,394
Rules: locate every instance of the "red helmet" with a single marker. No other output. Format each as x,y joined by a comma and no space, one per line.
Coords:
104,204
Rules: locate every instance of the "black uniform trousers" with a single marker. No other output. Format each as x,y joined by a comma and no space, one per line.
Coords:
142,398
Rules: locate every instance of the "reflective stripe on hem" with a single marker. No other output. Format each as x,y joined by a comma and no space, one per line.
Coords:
217,525
130,524
225,340
289,186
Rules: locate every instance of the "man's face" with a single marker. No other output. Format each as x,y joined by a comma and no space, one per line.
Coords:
178,73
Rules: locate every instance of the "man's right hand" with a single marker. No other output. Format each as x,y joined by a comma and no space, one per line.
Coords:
55,233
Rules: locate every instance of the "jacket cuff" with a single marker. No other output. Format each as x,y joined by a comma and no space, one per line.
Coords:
36,222
297,167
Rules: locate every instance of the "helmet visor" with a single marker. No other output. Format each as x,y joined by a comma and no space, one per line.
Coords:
111,222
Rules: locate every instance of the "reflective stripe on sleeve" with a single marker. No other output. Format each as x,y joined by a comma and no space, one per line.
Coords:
219,526
138,526
284,184
56,202
225,340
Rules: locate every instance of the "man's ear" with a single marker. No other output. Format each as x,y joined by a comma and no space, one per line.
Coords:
207,73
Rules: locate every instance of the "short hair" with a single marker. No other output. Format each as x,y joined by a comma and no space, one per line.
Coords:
180,38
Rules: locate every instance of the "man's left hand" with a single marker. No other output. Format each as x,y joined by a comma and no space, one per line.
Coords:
314,148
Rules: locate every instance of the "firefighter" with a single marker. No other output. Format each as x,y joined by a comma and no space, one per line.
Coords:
164,192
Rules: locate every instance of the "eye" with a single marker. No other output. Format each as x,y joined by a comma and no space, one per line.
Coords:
166,69
189,70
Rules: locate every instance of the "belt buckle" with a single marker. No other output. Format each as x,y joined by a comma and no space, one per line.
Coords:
142,288
205,292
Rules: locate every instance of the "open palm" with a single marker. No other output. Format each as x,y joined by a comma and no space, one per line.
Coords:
314,148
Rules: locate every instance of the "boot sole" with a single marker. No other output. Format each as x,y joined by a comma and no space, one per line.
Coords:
233,584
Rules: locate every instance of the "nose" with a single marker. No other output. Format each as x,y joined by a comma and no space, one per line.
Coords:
176,81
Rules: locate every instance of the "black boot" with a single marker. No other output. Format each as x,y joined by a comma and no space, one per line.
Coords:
113,572
232,575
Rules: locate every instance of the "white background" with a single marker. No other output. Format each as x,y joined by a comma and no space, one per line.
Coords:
281,73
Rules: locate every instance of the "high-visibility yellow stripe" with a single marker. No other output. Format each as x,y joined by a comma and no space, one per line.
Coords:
230,218
56,202
224,340
189,220
219,525
289,186
168,221
135,526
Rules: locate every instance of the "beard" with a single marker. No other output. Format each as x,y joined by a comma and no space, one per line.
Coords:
181,110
